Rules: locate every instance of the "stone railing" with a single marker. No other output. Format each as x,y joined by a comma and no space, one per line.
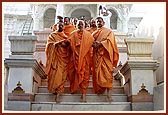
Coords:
22,45
23,73
139,48
42,35
139,73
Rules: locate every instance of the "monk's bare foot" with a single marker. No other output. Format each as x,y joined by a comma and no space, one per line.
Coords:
109,98
57,98
98,93
83,98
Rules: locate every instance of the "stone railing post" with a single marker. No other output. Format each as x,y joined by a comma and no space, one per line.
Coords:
24,73
139,73
40,45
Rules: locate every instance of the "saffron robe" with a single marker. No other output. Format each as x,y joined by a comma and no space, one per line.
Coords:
105,57
91,30
68,29
79,67
56,64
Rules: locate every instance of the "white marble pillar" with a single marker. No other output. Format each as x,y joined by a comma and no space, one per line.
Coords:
36,15
125,25
36,26
59,11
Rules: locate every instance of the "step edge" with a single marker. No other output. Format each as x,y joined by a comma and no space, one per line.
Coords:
79,94
88,86
87,103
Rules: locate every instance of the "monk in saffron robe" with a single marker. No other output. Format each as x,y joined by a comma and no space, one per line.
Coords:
93,26
54,27
79,73
105,57
68,28
57,59
74,21
91,29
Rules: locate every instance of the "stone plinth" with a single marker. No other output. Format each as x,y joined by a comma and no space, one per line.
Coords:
22,45
23,68
139,48
139,73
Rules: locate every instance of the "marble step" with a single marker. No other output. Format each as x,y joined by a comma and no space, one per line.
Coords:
115,82
49,97
78,106
115,90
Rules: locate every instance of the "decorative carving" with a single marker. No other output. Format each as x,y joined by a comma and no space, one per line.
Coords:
143,91
142,96
120,64
18,89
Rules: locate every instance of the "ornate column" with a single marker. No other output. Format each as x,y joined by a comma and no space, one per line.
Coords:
139,72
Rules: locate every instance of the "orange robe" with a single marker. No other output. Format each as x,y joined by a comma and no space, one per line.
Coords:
68,29
54,27
79,70
105,58
56,64
91,30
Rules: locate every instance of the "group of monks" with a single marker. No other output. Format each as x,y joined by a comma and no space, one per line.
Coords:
75,52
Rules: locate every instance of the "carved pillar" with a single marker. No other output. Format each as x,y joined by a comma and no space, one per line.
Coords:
24,73
37,14
139,72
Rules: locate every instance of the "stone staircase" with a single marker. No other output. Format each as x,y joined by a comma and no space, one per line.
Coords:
45,101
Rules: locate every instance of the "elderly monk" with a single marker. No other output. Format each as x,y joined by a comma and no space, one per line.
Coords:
74,21
93,26
105,57
68,28
57,59
79,74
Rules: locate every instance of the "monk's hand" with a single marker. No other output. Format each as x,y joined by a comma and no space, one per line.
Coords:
67,42
63,44
98,43
55,44
94,44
